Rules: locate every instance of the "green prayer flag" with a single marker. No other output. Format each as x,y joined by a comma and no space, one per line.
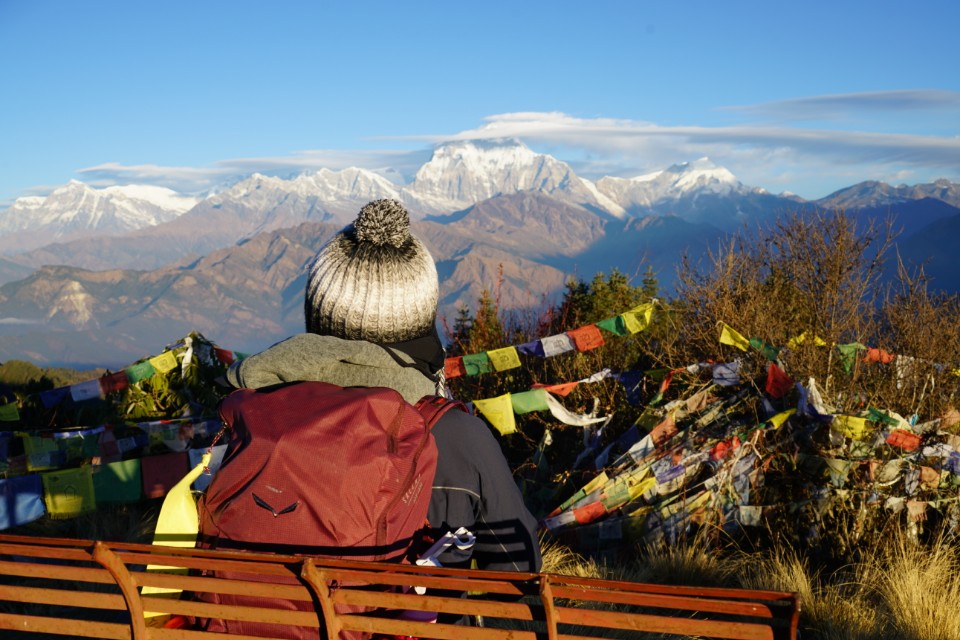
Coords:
118,482
616,326
848,354
769,351
141,371
9,412
529,401
477,363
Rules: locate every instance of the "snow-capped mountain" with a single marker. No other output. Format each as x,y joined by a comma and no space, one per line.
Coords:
461,174
678,181
78,210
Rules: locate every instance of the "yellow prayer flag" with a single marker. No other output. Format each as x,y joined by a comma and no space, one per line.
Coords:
850,426
637,490
729,336
777,421
69,493
164,362
800,339
595,484
638,318
499,413
9,412
504,359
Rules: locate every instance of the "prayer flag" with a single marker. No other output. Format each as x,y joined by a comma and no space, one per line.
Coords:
631,385
533,348
141,371
529,401
85,390
118,482
617,326
164,362
800,339
52,397
223,355
21,500
42,453
499,413
638,318
850,426
906,440
69,493
555,345
477,363
562,389
216,459
730,336
878,355
453,367
769,351
778,383
727,374
161,473
777,421
114,382
848,354
9,412
504,359
586,338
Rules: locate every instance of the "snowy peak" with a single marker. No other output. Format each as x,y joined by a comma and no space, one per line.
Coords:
463,173
78,209
686,179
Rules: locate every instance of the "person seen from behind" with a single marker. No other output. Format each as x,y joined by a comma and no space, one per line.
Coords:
370,308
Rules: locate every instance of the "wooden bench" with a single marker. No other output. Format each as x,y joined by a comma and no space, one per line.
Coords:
88,589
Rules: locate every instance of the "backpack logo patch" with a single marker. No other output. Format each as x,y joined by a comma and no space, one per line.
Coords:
413,492
263,503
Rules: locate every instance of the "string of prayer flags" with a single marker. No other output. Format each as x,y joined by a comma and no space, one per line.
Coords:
505,358
730,336
164,362
586,338
21,500
69,492
477,363
499,413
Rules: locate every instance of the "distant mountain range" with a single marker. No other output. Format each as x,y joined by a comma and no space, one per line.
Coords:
106,276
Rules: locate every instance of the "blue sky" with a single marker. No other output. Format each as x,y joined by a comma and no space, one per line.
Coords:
805,97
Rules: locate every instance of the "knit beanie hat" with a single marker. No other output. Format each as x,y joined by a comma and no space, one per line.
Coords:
373,281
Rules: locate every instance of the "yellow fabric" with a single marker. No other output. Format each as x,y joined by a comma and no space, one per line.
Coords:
800,339
69,493
164,362
9,412
504,359
851,426
499,412
637,490
638,318
777,421
730,336
177,526
595,484
41,452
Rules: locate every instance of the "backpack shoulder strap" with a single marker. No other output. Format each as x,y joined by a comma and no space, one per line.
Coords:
432,408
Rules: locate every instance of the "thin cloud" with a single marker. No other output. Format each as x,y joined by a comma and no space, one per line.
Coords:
845,104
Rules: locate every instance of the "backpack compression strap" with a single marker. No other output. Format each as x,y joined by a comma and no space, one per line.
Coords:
432,408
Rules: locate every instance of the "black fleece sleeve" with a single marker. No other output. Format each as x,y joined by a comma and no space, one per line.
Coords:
474,488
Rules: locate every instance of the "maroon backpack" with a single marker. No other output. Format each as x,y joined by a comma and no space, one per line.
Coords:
317,469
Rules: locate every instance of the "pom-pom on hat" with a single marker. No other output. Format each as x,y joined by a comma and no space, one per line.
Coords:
373,281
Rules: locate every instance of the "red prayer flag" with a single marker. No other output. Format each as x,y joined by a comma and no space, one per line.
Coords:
453,367
114,382
906,440
562,389
586,338
590,512
878,355
778,382
223,355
